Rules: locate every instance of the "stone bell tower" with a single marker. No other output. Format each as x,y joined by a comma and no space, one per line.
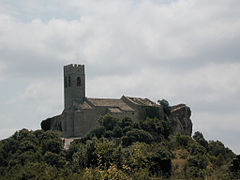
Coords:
74,85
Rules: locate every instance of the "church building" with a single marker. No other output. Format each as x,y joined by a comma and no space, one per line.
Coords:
81,113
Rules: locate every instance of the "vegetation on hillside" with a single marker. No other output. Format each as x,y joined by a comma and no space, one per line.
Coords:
117,149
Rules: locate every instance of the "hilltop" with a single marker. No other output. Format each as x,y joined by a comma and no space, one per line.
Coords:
118,149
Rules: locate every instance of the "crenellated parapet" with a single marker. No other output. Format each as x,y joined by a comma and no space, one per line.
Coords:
73,68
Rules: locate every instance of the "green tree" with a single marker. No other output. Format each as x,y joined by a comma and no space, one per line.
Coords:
54,159
136,135
92,158
52,145
126,122
136,156
50,141
235,168
80,156
166,108
99,132
104,151
108,121
198,161
158,128
197,166
160,160
46,124
117,131
220,160
198,136
183,140
216,148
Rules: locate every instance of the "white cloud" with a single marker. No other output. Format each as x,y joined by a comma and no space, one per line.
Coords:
45,95
218,126
185,51
5,133
2,68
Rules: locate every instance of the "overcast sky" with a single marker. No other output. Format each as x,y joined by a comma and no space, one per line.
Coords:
185,51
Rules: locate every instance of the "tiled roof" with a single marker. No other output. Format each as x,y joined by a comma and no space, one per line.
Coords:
110,103
141,101
114,110
85,105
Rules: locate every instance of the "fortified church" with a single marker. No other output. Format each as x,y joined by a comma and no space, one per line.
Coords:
81,113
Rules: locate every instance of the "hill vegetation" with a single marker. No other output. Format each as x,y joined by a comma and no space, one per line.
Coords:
117,149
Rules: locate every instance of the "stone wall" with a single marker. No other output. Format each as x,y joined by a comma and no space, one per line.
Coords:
74,123
86,120
56,123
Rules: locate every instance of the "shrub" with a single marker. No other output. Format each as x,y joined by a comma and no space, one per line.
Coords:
98,132
117,131
46,124
198,136
137,135
108,121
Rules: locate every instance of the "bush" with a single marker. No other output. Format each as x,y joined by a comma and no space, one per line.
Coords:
216,148
52,145
235,168
117,131
183,140
108,121
198,136
137,135
156,127
198,161
160,161
126,122
46,124
54,159
104,151
166,108
98,132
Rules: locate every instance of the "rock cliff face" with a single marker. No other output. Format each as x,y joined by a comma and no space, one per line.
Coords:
180,119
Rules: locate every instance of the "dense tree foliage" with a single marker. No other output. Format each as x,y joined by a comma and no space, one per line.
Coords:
235,168
117,149
166,108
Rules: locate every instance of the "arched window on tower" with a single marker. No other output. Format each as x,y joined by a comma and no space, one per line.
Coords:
69,81
78,81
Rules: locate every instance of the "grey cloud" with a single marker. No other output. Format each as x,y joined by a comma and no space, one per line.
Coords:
28,65
184,51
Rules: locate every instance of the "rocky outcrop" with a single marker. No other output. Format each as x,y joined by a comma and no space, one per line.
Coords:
180,119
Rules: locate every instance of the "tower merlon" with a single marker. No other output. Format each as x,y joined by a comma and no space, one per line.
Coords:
71,68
